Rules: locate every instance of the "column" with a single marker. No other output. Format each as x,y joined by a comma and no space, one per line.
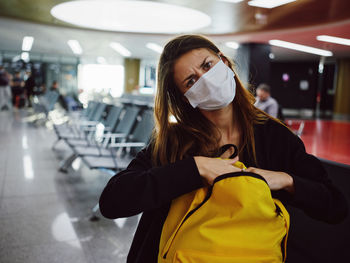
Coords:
132,72
342,93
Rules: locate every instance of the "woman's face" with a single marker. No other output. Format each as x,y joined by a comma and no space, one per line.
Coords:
192,65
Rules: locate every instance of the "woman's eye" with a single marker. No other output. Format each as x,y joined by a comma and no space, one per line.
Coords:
190,82
207,65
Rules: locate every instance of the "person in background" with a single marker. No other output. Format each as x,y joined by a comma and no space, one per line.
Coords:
61,100
265,102
5,90
54,86
18,92
198,86
40,89
29,86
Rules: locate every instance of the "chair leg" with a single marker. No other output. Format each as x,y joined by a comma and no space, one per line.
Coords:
67,163
55,143
94,216
301,128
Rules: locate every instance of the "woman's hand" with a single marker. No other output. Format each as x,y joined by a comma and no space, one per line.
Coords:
210,168
275,180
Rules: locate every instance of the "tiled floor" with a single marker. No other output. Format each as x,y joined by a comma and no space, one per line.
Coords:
44,214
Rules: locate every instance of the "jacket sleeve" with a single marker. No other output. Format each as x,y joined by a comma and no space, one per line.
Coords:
142,187
314,192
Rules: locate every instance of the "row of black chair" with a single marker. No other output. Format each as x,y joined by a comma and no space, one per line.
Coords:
107,136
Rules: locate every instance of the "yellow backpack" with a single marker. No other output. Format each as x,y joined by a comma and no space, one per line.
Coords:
235,220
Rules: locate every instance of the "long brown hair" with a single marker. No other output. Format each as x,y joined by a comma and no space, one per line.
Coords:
193,134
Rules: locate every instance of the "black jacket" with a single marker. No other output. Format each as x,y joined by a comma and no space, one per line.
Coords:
147,189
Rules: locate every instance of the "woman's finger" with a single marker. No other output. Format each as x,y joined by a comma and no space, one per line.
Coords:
231,161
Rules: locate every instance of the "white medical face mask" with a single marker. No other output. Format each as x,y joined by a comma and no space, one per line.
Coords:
213,90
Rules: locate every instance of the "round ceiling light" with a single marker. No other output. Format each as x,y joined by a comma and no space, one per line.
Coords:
131,16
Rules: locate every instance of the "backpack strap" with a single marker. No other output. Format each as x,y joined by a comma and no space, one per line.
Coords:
225,147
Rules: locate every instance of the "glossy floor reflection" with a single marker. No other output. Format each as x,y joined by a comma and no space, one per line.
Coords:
44,214
326,139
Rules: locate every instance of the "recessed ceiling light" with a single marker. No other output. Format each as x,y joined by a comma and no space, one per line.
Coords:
131,16
307,49
120,49
27,43
75,46
336,40
269,3
25,56
233,45
155,47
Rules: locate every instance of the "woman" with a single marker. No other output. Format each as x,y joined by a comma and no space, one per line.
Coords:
198,86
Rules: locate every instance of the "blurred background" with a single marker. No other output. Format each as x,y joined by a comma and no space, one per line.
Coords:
72,60
305,84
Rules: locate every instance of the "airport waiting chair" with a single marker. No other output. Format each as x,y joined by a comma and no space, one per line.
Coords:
97,116
79,132
72,104
87,112
122,130
68,126
90,129
297,126
142,101
138,139
78,115
79,129
123,127
45,103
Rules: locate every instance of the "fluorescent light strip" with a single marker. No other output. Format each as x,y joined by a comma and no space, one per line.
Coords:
231,1
233,45
27,43
120,49
155,47
75,46
307,49
269,3
336,40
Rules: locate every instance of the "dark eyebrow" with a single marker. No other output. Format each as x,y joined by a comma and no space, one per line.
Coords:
202,65
190,76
